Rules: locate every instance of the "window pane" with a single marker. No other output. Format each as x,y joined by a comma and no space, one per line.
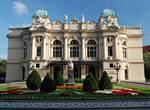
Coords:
91,51
110,52
38,51
57,51
74,51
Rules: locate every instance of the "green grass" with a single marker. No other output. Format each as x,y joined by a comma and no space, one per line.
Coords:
146,90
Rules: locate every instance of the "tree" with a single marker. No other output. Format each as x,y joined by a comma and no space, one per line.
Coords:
3,66
147,65
33,81
90,84
48,84
105,82
58,77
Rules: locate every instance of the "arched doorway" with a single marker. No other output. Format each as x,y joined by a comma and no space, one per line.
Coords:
77,71
57,69
91,69
23,73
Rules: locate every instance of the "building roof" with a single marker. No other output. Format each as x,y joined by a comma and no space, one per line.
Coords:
146,48
108,12
41,13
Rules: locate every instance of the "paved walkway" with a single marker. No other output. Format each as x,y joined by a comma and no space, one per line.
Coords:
113,104
144,84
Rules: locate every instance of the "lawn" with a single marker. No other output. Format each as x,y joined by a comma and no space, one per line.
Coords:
146,90
71,94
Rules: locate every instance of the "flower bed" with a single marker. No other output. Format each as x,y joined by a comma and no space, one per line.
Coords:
69,87
126,92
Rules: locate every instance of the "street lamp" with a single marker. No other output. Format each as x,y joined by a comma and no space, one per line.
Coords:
117,67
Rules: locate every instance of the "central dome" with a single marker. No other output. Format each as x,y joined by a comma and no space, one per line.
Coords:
108,12
41,13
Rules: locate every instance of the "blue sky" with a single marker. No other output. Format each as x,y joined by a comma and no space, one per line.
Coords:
20,12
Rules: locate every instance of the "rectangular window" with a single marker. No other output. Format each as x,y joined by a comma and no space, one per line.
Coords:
91,51
110,51
124,52
111,65
38,51
126,74
25,53
37,65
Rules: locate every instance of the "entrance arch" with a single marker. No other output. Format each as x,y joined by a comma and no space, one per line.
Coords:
77,71
92,70
57,69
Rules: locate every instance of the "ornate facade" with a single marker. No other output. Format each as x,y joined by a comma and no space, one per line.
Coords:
92,46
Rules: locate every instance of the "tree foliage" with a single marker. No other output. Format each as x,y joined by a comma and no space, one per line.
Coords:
58,77
90,84
105,82
33,81
3,66
48,84
147,65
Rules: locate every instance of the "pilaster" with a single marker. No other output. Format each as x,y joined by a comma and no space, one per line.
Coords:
83,48
65,47
105,48
33,47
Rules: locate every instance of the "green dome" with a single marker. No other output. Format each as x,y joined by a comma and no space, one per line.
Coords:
41,13
108,12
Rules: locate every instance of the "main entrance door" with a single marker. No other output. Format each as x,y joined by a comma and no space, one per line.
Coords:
91,70
77,71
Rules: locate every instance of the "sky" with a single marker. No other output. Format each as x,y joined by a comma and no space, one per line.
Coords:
20,12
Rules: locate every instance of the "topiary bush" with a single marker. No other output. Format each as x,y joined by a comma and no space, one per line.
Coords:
105,82
90,84
33,81
48,84
58,77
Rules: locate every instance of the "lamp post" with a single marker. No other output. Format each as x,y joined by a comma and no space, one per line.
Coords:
117,67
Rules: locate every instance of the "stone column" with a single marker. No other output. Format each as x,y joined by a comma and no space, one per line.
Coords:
99,49
33,48
116,48
105,48
44,47
65,71
83,71
83,48
65,48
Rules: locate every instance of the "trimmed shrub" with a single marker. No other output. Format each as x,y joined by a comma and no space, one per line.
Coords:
90,84
58,77
33,81
48,84
105,82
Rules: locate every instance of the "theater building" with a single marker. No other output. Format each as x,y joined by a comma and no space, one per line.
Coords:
48,46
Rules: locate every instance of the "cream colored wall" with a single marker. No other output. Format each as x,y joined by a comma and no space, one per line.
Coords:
14,72
135,55
136,72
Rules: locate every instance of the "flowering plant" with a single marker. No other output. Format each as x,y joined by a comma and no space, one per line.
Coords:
126,92
69,87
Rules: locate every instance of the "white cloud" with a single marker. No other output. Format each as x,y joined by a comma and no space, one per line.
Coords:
20,8
3,56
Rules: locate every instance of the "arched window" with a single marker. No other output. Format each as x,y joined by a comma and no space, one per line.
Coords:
74,48
91,48
57,48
